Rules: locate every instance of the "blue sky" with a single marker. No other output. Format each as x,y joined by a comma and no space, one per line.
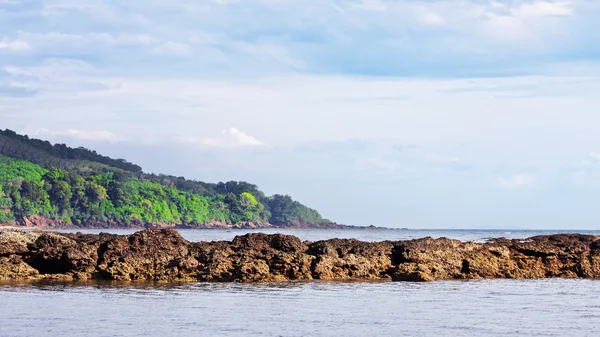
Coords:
435,114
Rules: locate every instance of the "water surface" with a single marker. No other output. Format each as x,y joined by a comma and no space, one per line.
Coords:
454,308
479,235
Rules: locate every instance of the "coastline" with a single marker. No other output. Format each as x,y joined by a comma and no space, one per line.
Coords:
165,256
36,222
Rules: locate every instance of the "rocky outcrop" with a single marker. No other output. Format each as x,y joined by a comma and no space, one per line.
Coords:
163,255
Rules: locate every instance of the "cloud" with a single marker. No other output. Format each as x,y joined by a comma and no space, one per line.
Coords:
47,40
518,180
431,19
441,159
230,138
173,48
588,170
14,46
375,164
370,5
269,53
396,38
98,136
16,91
594,157
592,161
544,8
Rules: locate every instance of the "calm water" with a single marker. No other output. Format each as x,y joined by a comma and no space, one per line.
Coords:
481,308
196,235
458,308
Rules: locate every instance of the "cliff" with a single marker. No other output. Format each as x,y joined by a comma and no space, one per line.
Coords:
163,255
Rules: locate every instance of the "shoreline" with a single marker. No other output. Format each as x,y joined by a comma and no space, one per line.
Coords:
165,256
243,226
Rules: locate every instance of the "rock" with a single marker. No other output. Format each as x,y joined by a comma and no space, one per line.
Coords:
152,254
16,241
54,254
163,255
407,275
350,259
14,267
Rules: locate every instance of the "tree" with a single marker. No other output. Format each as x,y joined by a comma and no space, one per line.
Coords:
58,189
247,200
285,210
94,192
32,191
78,185
60,195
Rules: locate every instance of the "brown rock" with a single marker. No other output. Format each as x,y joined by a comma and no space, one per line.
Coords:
14,267
163,255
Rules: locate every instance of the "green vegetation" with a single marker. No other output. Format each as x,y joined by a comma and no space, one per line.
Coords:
285,210
58,155
81,187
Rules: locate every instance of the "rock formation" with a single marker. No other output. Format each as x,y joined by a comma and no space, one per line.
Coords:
163,255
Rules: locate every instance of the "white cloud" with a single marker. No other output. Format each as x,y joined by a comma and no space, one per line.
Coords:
377,164
437,158
544,8
55,69
100,135
70,41
229,138
431,19
594,156
371,5
15,45
591,162
588,171
270,53
173,48
518,180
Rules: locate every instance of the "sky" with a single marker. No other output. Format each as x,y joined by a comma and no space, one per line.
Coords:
400,113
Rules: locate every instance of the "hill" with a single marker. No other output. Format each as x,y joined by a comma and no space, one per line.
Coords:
53,185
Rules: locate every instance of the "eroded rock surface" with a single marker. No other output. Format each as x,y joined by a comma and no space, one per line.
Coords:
163,255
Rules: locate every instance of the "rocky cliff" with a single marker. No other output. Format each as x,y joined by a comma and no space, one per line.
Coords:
163,255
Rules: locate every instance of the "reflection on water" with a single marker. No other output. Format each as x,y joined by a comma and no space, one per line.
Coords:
61,285
461,308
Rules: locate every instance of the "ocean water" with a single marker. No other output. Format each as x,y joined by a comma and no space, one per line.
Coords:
457,308
549,307
477,235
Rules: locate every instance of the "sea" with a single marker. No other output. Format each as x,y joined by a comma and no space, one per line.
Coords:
548,307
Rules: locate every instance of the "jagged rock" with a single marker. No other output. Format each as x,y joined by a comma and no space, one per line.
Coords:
151,254
350,259
13,267
16,241
163,255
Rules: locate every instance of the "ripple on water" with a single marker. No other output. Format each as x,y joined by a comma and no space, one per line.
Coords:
473,308
478,235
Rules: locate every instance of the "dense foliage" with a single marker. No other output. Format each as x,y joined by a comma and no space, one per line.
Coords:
285,210
81,187
58,155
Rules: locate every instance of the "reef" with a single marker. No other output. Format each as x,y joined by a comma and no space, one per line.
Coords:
164,255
